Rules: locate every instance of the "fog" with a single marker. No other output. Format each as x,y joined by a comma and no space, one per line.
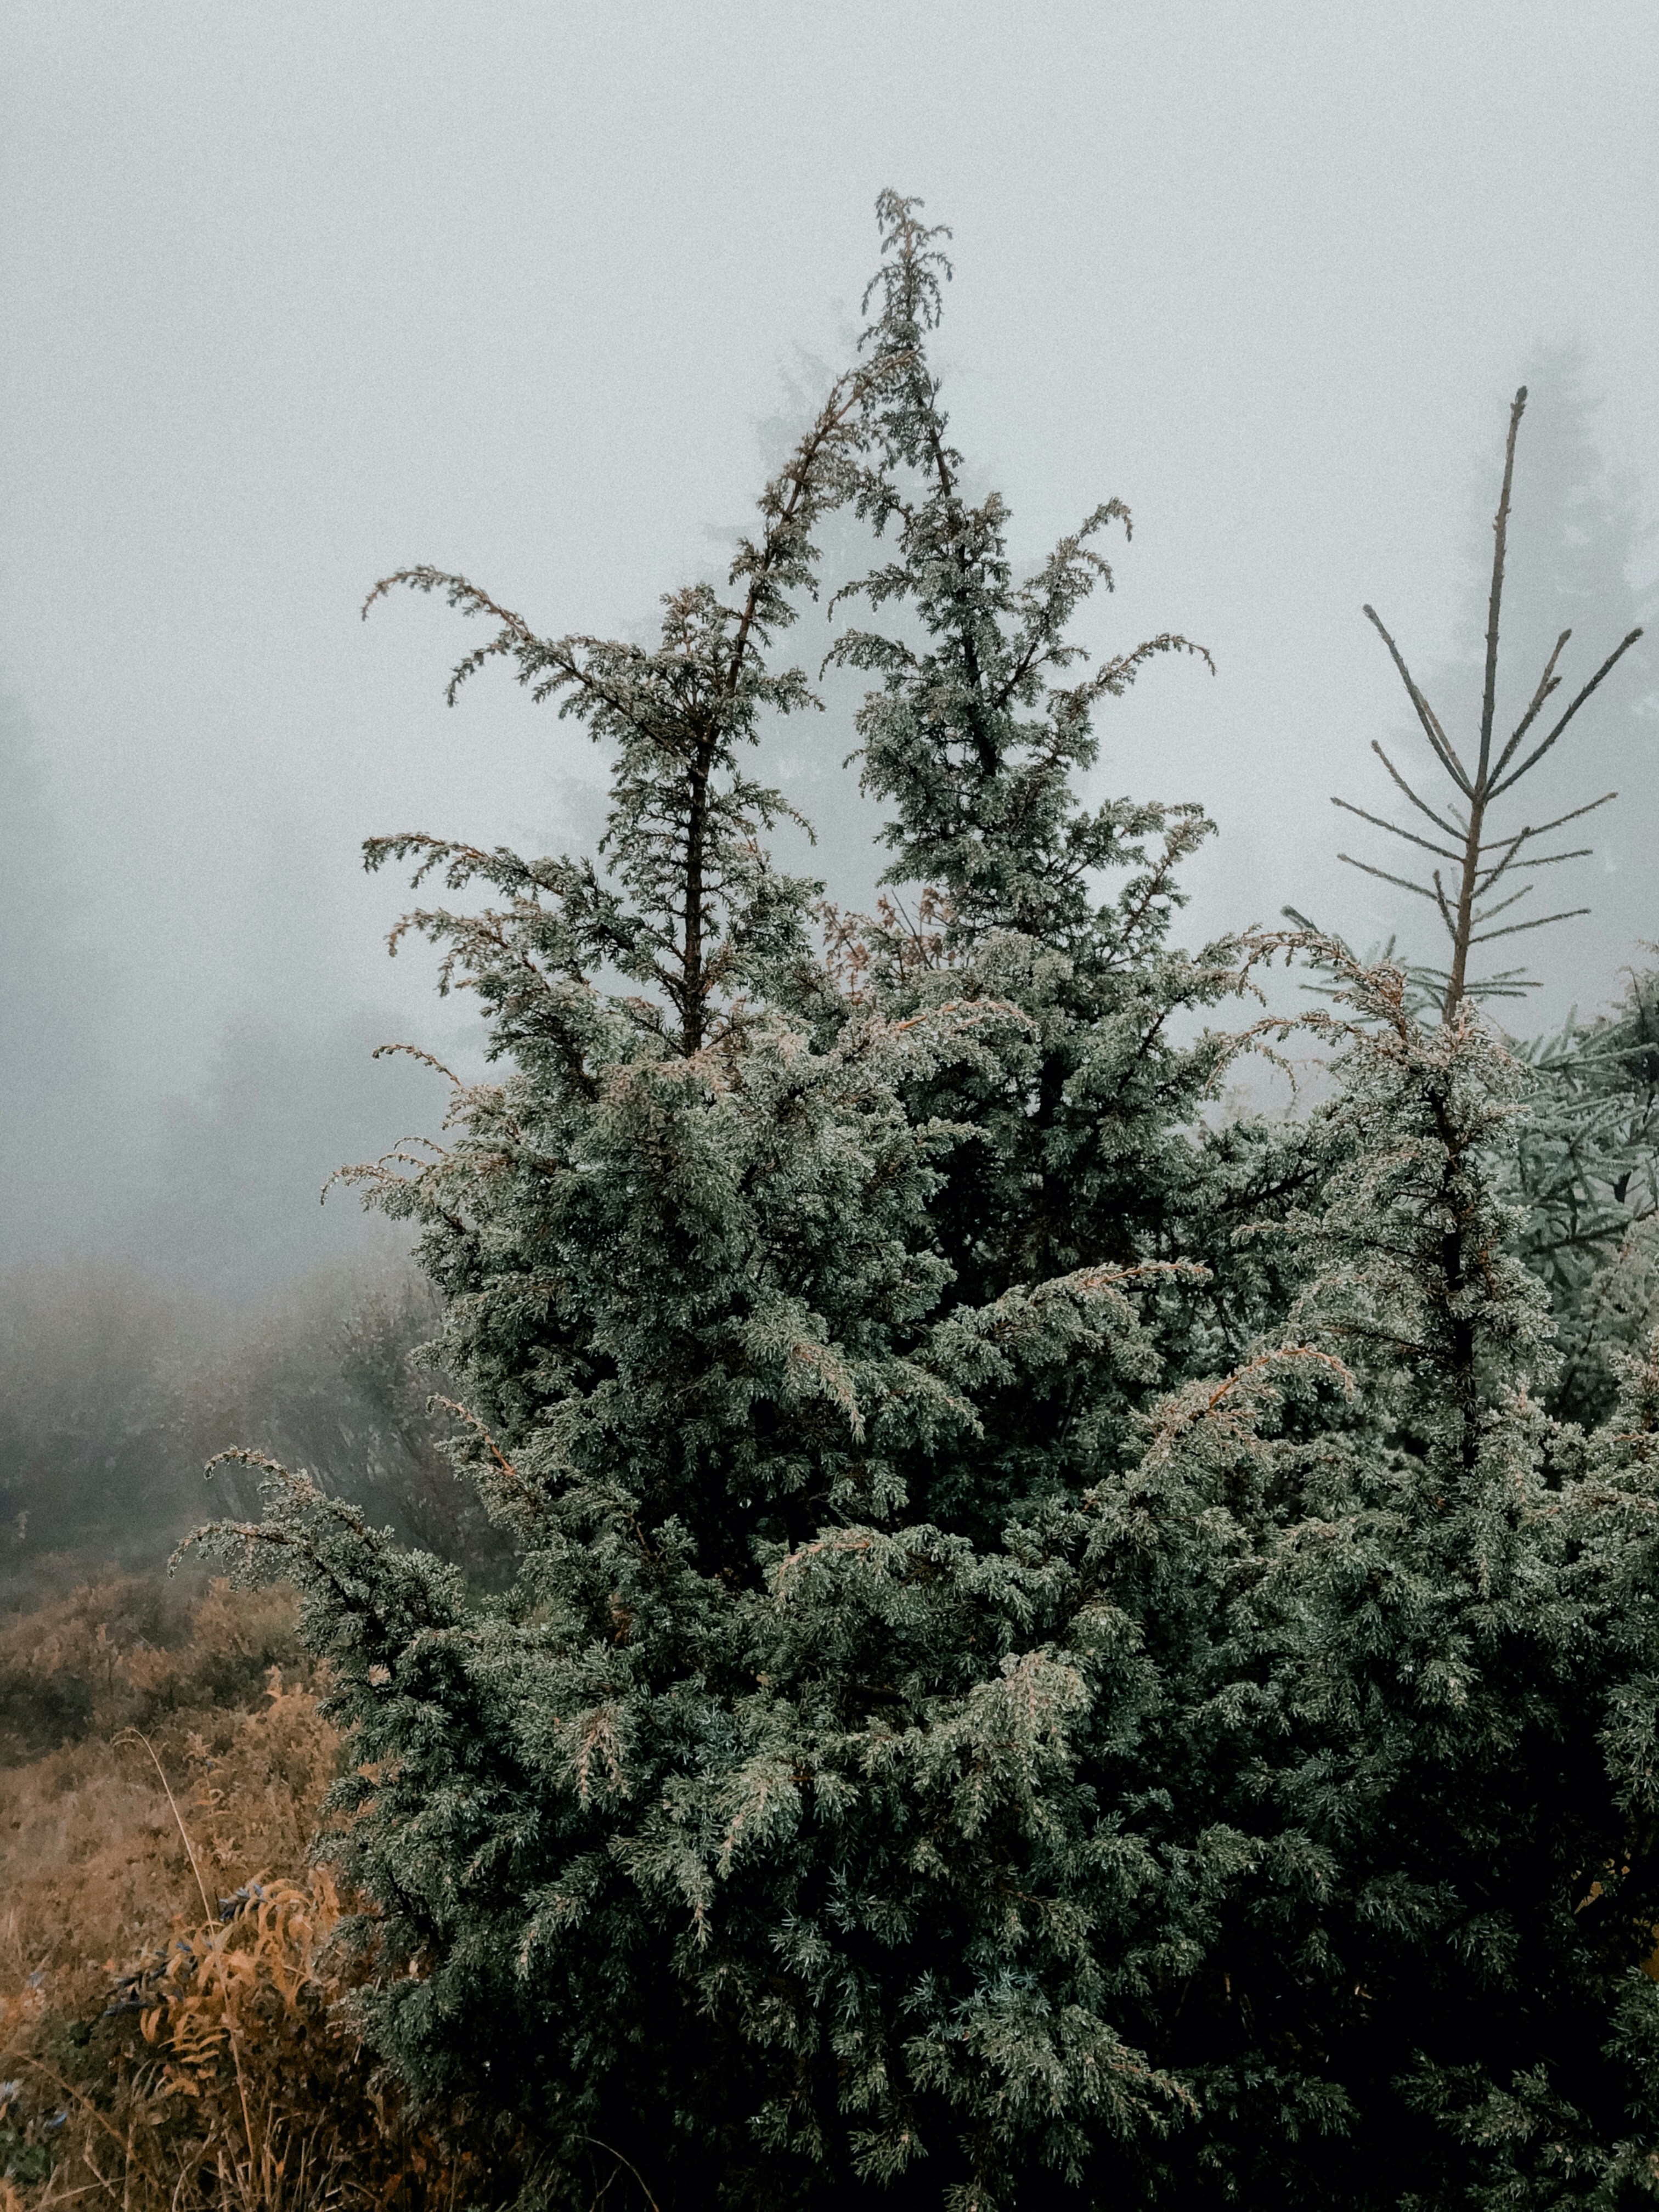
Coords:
293,296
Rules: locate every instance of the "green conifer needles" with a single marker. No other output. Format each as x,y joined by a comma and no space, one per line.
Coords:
969,736
1054,1656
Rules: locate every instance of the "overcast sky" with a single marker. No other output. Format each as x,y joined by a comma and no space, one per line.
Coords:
295,295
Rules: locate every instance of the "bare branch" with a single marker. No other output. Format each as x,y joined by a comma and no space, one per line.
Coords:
1425,713
1549,682
1476,920
1544,827
1395,827
1481,881
1538,860
1367,868
1539,751
1439,823
1516,927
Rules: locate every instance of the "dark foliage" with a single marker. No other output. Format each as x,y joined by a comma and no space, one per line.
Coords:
1054,1657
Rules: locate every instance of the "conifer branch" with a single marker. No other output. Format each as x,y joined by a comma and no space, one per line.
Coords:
1549,684
1379,822
1404,882
1449,827
1425,713
1569,914
1534,756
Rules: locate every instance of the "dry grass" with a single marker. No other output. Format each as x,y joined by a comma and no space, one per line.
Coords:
170,2026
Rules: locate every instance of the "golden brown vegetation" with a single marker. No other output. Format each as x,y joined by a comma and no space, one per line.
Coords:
172,2018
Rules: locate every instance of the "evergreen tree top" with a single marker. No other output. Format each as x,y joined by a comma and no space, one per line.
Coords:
688,905
970,736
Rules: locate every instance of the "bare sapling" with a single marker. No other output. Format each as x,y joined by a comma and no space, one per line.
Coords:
1481,877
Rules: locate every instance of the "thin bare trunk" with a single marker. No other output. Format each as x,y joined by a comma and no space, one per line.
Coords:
1465,894
1481,864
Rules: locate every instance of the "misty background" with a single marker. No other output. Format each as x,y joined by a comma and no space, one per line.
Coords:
290,298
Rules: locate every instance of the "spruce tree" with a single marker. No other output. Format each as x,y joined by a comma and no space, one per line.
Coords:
1055,1657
